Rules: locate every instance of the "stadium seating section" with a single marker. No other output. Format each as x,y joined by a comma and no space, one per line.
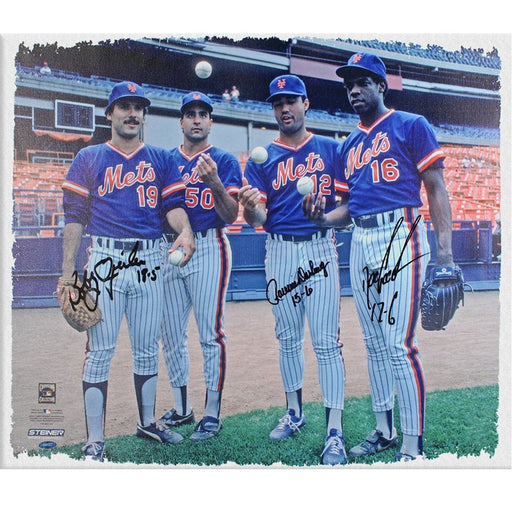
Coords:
472,179
171,93
469,56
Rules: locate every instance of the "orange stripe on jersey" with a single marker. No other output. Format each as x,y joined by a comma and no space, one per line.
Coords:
367,129
430,159
193,155
339,186
74,187
232,190
278,142
129,155
171,189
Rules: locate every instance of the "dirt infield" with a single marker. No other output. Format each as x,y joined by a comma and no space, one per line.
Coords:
464,355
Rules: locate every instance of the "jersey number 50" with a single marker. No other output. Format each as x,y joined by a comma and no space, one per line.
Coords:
194,196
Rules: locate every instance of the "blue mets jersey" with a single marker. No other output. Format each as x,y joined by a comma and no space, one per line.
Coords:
276,179
122,195
382,163
199,199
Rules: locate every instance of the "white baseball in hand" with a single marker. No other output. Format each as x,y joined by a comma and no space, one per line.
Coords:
305,185
176,257
259,154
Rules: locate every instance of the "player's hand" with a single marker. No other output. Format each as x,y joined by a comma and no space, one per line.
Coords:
443,260
314,209
207,168
248,196
186,241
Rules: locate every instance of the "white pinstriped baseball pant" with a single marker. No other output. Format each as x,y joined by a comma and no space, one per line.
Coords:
202,285
388,317
139,298
319,302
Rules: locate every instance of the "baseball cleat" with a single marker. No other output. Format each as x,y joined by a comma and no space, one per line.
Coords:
334,449
159,433
374,443
94,451
287,426
206,428
405,457
173,419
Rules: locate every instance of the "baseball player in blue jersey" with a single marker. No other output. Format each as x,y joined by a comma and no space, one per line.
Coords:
385,160
118,192
212,178
301,262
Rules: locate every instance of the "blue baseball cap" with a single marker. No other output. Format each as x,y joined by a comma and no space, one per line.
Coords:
288,85
126,90
196,97
363,62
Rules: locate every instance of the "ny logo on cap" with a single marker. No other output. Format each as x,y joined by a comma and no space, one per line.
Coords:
196,96
132,88
357,57
281,83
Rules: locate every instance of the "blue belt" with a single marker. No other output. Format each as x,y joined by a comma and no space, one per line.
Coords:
299,238
374,221
124,245
171,237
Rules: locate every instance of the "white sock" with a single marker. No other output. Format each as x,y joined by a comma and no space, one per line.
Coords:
94,402
385,423
181,400
334,419
410,445
294,401
212,407
145,390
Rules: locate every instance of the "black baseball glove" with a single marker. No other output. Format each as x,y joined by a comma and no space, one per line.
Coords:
441,294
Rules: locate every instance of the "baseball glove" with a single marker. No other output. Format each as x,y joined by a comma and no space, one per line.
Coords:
78,306
441,294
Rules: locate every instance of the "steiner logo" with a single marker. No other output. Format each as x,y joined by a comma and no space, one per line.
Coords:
46,432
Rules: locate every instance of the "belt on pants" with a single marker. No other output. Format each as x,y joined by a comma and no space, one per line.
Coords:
380,219
299,238
171,237
124,245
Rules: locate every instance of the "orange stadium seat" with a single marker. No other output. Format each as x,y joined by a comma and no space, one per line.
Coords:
472,178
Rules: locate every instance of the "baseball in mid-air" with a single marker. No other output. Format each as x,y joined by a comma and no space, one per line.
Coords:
305,185
176,257
203,69
259,154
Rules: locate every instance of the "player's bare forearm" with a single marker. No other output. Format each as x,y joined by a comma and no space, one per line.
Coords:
314,210
440,213
257,216
255,212
71,244
179,222
225,205
339,217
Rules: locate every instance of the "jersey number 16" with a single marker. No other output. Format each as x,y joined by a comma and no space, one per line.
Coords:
388,169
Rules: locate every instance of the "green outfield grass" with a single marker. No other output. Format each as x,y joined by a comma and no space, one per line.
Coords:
461,422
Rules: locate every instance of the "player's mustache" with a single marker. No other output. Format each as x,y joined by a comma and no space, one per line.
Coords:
131,120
